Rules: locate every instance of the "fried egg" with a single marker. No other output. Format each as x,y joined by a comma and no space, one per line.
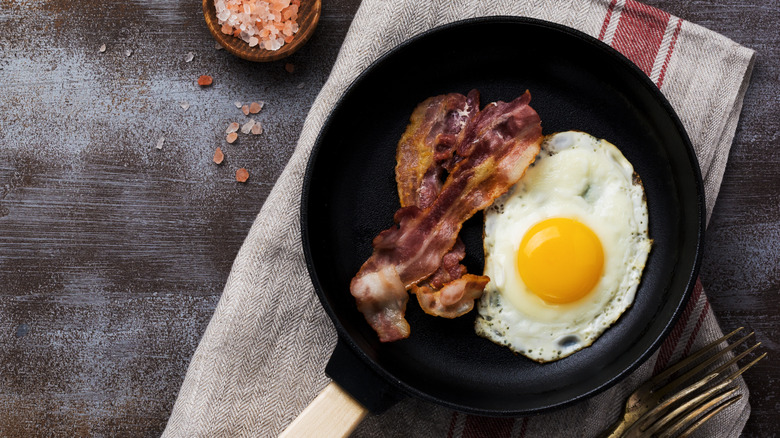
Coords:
565,248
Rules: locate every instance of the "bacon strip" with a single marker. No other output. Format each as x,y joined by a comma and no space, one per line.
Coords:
493,152
454,299
428,143
450,292
425,152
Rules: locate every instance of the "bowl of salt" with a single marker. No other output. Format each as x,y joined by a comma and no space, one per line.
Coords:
262,30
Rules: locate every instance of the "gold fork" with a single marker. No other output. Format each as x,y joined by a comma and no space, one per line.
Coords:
649,412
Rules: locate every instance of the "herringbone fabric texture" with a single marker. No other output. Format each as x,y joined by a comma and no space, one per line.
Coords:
262,357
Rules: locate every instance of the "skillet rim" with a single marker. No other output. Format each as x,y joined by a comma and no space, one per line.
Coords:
345,338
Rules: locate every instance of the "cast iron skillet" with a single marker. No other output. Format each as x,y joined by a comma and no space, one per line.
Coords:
349,195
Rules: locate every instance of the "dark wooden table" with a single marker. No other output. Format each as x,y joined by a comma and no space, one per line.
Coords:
113,253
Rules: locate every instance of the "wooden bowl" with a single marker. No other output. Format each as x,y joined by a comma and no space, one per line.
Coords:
308,17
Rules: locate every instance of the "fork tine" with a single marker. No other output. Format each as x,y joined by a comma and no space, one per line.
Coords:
723,367
683,378
701,399
690,359
692,428
726,381
745,368
657,417
717,404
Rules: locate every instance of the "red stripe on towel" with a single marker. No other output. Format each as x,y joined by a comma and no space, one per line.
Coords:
606,19
523,426
639,33
670,344
487,427
696,328
669,53
453,421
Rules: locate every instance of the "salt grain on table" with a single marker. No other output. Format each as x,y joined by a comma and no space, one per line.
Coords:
268,24
237,104
242,175
128,52
218,156
160,143
231,137
257,128
255,107
247,126
233,127
102,48
218,46
289,67
245,110
184,105
190,56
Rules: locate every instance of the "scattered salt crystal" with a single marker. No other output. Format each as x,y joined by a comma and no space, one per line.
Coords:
218,156
257,128
255,107
128,52
231,137
289,67
245,110
160,142
242,175
218,46
248,126
233,127
184,105
102,48
237,104
190,56
299,86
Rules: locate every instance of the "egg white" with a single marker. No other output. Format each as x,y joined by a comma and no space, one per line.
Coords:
579,177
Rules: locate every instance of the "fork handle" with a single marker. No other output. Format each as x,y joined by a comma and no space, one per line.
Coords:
617,429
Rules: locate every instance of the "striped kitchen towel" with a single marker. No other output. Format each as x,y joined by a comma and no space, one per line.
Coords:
262,357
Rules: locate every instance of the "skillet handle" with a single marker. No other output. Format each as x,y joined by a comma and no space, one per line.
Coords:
334,413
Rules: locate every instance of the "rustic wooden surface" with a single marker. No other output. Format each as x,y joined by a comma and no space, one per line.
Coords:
113,254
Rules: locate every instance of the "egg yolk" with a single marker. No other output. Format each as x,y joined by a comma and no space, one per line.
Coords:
560,260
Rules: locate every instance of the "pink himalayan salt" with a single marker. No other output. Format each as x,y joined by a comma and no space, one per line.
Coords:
247,128
255,107
242,175
219,156
233,127
269,24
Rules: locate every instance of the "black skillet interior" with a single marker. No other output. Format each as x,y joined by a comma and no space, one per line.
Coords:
577,83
